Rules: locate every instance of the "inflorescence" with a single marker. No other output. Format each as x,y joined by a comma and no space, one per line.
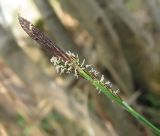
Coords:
72,65
65,62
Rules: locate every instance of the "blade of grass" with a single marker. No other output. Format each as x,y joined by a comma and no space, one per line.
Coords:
120,102
69,63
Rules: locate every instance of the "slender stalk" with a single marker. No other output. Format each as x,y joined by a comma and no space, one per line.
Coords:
69,63
119,101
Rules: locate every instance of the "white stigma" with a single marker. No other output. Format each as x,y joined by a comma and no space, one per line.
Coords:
102,79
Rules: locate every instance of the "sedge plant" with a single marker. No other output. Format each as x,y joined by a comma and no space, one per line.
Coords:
68,62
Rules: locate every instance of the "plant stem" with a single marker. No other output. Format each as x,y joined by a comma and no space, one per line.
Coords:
119,101
141,118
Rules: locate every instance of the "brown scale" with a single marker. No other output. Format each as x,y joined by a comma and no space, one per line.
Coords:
49,45
42,39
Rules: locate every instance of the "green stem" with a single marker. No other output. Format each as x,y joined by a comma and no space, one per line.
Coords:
119,101
141,118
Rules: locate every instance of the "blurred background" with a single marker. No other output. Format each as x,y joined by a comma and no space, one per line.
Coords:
119,37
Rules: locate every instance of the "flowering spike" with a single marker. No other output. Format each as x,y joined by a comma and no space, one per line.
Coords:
66,62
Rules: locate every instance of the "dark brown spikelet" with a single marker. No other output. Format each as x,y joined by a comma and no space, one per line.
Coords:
42,39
